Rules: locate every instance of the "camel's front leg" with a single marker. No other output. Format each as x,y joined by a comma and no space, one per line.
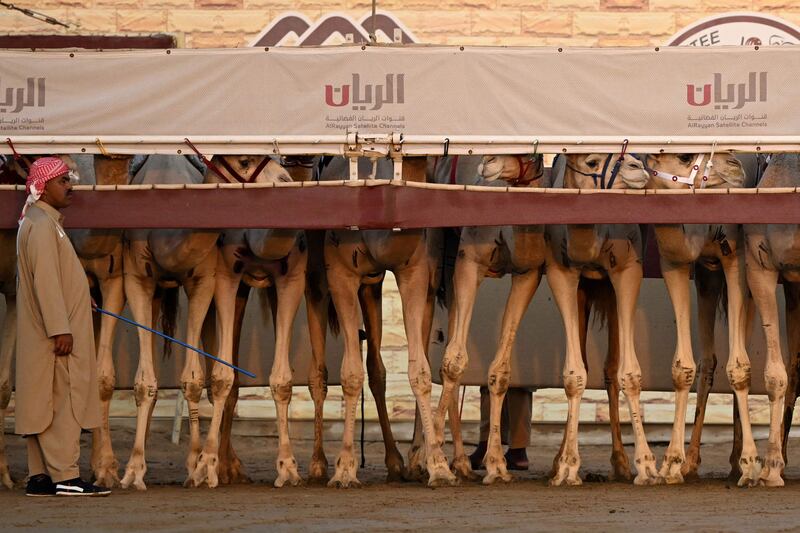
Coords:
523,286
290,288
223,287
8,340
563,283
627,281
370,299
413,283
344,291
139,289
620,465
709,287
763,285
104,463
676,276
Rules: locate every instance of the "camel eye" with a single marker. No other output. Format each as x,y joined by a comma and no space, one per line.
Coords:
685,158
592,163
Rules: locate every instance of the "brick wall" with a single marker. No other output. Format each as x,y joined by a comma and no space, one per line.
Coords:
231,23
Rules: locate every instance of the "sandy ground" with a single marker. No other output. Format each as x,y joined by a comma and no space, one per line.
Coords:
711,504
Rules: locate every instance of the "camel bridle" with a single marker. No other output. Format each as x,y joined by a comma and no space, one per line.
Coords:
687,180
215,169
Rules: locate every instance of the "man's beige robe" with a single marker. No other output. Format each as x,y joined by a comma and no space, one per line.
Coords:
52,299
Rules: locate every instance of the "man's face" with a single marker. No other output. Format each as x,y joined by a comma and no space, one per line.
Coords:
58,192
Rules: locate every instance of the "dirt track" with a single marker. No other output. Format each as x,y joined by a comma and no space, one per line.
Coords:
708,505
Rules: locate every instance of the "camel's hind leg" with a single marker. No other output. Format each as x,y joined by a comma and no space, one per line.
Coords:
792,293
523,286
709,286
620,465
370,298
8,341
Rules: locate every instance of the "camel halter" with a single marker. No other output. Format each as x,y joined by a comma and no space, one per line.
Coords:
602,175
238,177
524,167
688,180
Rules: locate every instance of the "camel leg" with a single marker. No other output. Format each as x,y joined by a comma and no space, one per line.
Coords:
620,466
708,286
8,341
139,290
792,293
230,468
104,463
676,277
413,283
344,291
222,287
563,283
467,277
317,302
523,286
626,283
290,288
370,298
763,285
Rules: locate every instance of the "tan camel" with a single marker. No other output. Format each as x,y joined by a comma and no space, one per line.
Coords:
155,260
715,247
257,258
773,253
597,251
356,258
492,251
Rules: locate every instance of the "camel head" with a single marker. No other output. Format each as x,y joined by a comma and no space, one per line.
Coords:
246,166
596,171
517,170
684,171
112,169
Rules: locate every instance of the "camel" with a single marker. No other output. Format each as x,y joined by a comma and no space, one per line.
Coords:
357,258
160,259
773,254
713,247
492,251
258,258
597,251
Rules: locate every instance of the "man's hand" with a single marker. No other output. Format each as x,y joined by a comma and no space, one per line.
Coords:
63,344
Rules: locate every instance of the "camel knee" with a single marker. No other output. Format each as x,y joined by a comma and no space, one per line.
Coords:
352,382
631,383
776,382
281,389
454,364
707,369
192,390
739,376
574,383
498,381
318,385
106,385
420,382
683,376
221,384
145,392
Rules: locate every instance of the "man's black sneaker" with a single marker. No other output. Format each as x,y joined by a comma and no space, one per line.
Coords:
40,485
79,487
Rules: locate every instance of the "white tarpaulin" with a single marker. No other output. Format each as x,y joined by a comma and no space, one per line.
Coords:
306,99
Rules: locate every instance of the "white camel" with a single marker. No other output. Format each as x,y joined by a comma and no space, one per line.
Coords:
773,254
598,251
356,258
714,247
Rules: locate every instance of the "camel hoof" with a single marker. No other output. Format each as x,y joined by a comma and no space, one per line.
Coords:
463,469
134,477
497,476
770,475
205,471
442,479
646,471
395,469
670,472
566,471
344,479
620,468
752,468
570,481
5,478
287,473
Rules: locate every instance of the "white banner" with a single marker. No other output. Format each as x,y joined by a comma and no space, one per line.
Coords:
241,100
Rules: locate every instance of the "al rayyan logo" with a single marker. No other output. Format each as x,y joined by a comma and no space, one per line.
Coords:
725,97
18,99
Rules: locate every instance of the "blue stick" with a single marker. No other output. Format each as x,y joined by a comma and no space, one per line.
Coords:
176,341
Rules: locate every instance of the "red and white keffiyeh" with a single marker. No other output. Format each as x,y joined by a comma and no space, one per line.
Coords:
42,170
